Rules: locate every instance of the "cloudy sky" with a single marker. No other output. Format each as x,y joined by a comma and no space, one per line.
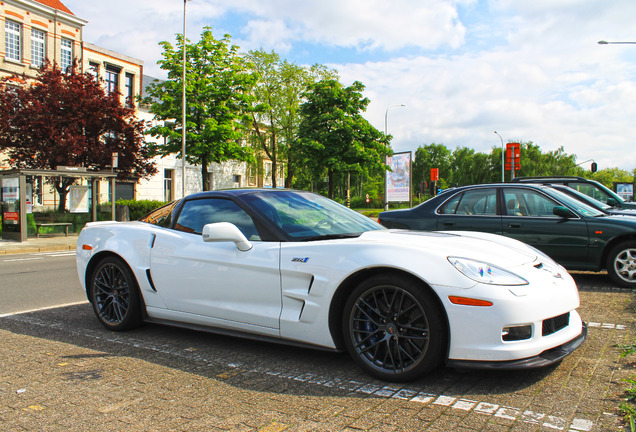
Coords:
531,70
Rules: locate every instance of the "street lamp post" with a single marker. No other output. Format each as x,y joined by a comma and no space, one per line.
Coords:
602,42
502,157
183,108
386,173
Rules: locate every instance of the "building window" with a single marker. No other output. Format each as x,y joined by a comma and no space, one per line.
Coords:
267,177
67,54
130,96
93,69
167,185
251,175
112,79
12,43
38,47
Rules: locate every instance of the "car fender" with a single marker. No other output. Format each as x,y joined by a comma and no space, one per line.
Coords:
131,241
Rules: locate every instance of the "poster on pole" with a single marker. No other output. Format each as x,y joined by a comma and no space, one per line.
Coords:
398,180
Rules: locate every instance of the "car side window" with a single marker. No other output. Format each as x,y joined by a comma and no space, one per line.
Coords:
524,202
162,216
198,213
482,202
450,206
590,190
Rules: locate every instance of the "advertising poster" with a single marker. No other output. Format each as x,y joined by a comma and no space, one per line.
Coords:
398,180
625,191
78,199
11,201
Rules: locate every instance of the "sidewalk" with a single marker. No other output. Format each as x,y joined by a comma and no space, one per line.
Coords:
46,243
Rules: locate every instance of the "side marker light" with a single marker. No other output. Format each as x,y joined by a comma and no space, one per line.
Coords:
466,301
87,247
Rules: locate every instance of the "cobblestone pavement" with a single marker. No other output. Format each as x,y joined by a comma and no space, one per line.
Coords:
62,371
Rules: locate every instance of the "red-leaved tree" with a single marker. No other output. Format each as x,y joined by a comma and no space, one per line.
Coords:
67,119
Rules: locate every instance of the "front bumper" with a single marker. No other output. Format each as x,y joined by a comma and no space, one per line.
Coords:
546,358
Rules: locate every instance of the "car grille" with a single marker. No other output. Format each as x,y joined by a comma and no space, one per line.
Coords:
553,325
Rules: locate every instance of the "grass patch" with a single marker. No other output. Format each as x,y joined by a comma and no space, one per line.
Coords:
628,406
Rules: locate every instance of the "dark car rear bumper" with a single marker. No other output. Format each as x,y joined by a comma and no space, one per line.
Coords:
546,358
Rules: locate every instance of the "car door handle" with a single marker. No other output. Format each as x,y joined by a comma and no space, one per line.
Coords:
449,223
514,225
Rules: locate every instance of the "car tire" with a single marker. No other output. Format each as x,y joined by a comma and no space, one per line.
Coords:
621,264
114,294
393,328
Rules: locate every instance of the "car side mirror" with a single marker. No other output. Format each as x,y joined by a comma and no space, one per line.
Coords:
226,232
612,202
563,212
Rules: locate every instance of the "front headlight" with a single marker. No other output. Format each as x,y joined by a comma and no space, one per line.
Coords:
483,272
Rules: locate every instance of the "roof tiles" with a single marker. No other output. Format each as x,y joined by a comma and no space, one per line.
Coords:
56,4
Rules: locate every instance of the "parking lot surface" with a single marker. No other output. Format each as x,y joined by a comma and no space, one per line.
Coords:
62,371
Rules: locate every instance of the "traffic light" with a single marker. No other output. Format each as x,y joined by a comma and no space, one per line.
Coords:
594,167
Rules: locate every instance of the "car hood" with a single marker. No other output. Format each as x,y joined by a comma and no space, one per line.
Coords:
492,248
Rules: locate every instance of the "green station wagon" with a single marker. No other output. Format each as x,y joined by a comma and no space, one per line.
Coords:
591,188
574,234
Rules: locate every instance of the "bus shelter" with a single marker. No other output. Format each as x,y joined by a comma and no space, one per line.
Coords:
17,193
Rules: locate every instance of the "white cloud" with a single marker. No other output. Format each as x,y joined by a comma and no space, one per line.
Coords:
362,24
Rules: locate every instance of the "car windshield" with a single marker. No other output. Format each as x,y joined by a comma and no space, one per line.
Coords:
308,216
576,205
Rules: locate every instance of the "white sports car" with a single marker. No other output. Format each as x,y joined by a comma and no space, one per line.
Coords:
296,267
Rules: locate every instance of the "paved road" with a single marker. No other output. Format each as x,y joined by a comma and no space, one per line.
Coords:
62,371
38,280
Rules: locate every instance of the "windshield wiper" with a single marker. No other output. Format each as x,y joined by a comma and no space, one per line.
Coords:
332,236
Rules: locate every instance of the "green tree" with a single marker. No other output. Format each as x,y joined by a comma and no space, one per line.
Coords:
536,163
278,97
218,102
66,118
431,156
470,167
334,137
608,176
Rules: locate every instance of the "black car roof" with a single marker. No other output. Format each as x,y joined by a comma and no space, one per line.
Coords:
235,192
547,179
504,185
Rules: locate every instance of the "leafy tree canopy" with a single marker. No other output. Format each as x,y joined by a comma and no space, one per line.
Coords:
333,135
278,97
218,102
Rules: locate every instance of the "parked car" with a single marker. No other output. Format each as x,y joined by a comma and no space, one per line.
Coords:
593,202
296,267
589,187
577,236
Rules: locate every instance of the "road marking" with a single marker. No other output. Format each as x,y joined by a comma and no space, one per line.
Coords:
608,326
22,259
42,309
42,255
54,253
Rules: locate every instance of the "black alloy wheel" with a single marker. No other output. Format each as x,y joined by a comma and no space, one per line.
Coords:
394,329
115,296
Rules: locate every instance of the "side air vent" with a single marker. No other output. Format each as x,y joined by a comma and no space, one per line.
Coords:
149,276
